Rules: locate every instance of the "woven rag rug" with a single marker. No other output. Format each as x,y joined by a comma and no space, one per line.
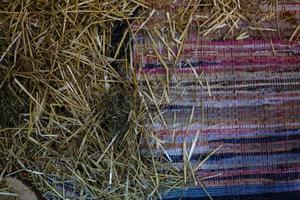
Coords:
237,99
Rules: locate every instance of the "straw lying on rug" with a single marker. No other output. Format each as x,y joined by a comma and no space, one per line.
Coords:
253,111
237,99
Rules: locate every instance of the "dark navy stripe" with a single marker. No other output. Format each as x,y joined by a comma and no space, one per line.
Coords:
182,64
229,82
270,176
295,195
257,88
277,167
234,190
220,156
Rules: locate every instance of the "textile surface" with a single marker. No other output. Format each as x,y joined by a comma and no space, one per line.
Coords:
239,99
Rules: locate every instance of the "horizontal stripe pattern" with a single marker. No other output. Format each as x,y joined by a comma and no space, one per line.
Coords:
241,95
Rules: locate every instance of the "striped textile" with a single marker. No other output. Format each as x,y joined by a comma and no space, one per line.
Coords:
240,97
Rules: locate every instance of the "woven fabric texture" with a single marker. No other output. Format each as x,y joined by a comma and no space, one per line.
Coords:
239,97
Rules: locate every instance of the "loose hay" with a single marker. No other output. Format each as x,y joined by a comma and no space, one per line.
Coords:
83,119
69,67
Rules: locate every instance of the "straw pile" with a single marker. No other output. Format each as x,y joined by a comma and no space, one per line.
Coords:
75,115
70,105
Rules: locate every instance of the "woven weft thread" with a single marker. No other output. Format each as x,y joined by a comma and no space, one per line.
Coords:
245,97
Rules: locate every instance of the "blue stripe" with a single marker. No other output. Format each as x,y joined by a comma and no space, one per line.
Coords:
233,190
247,161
